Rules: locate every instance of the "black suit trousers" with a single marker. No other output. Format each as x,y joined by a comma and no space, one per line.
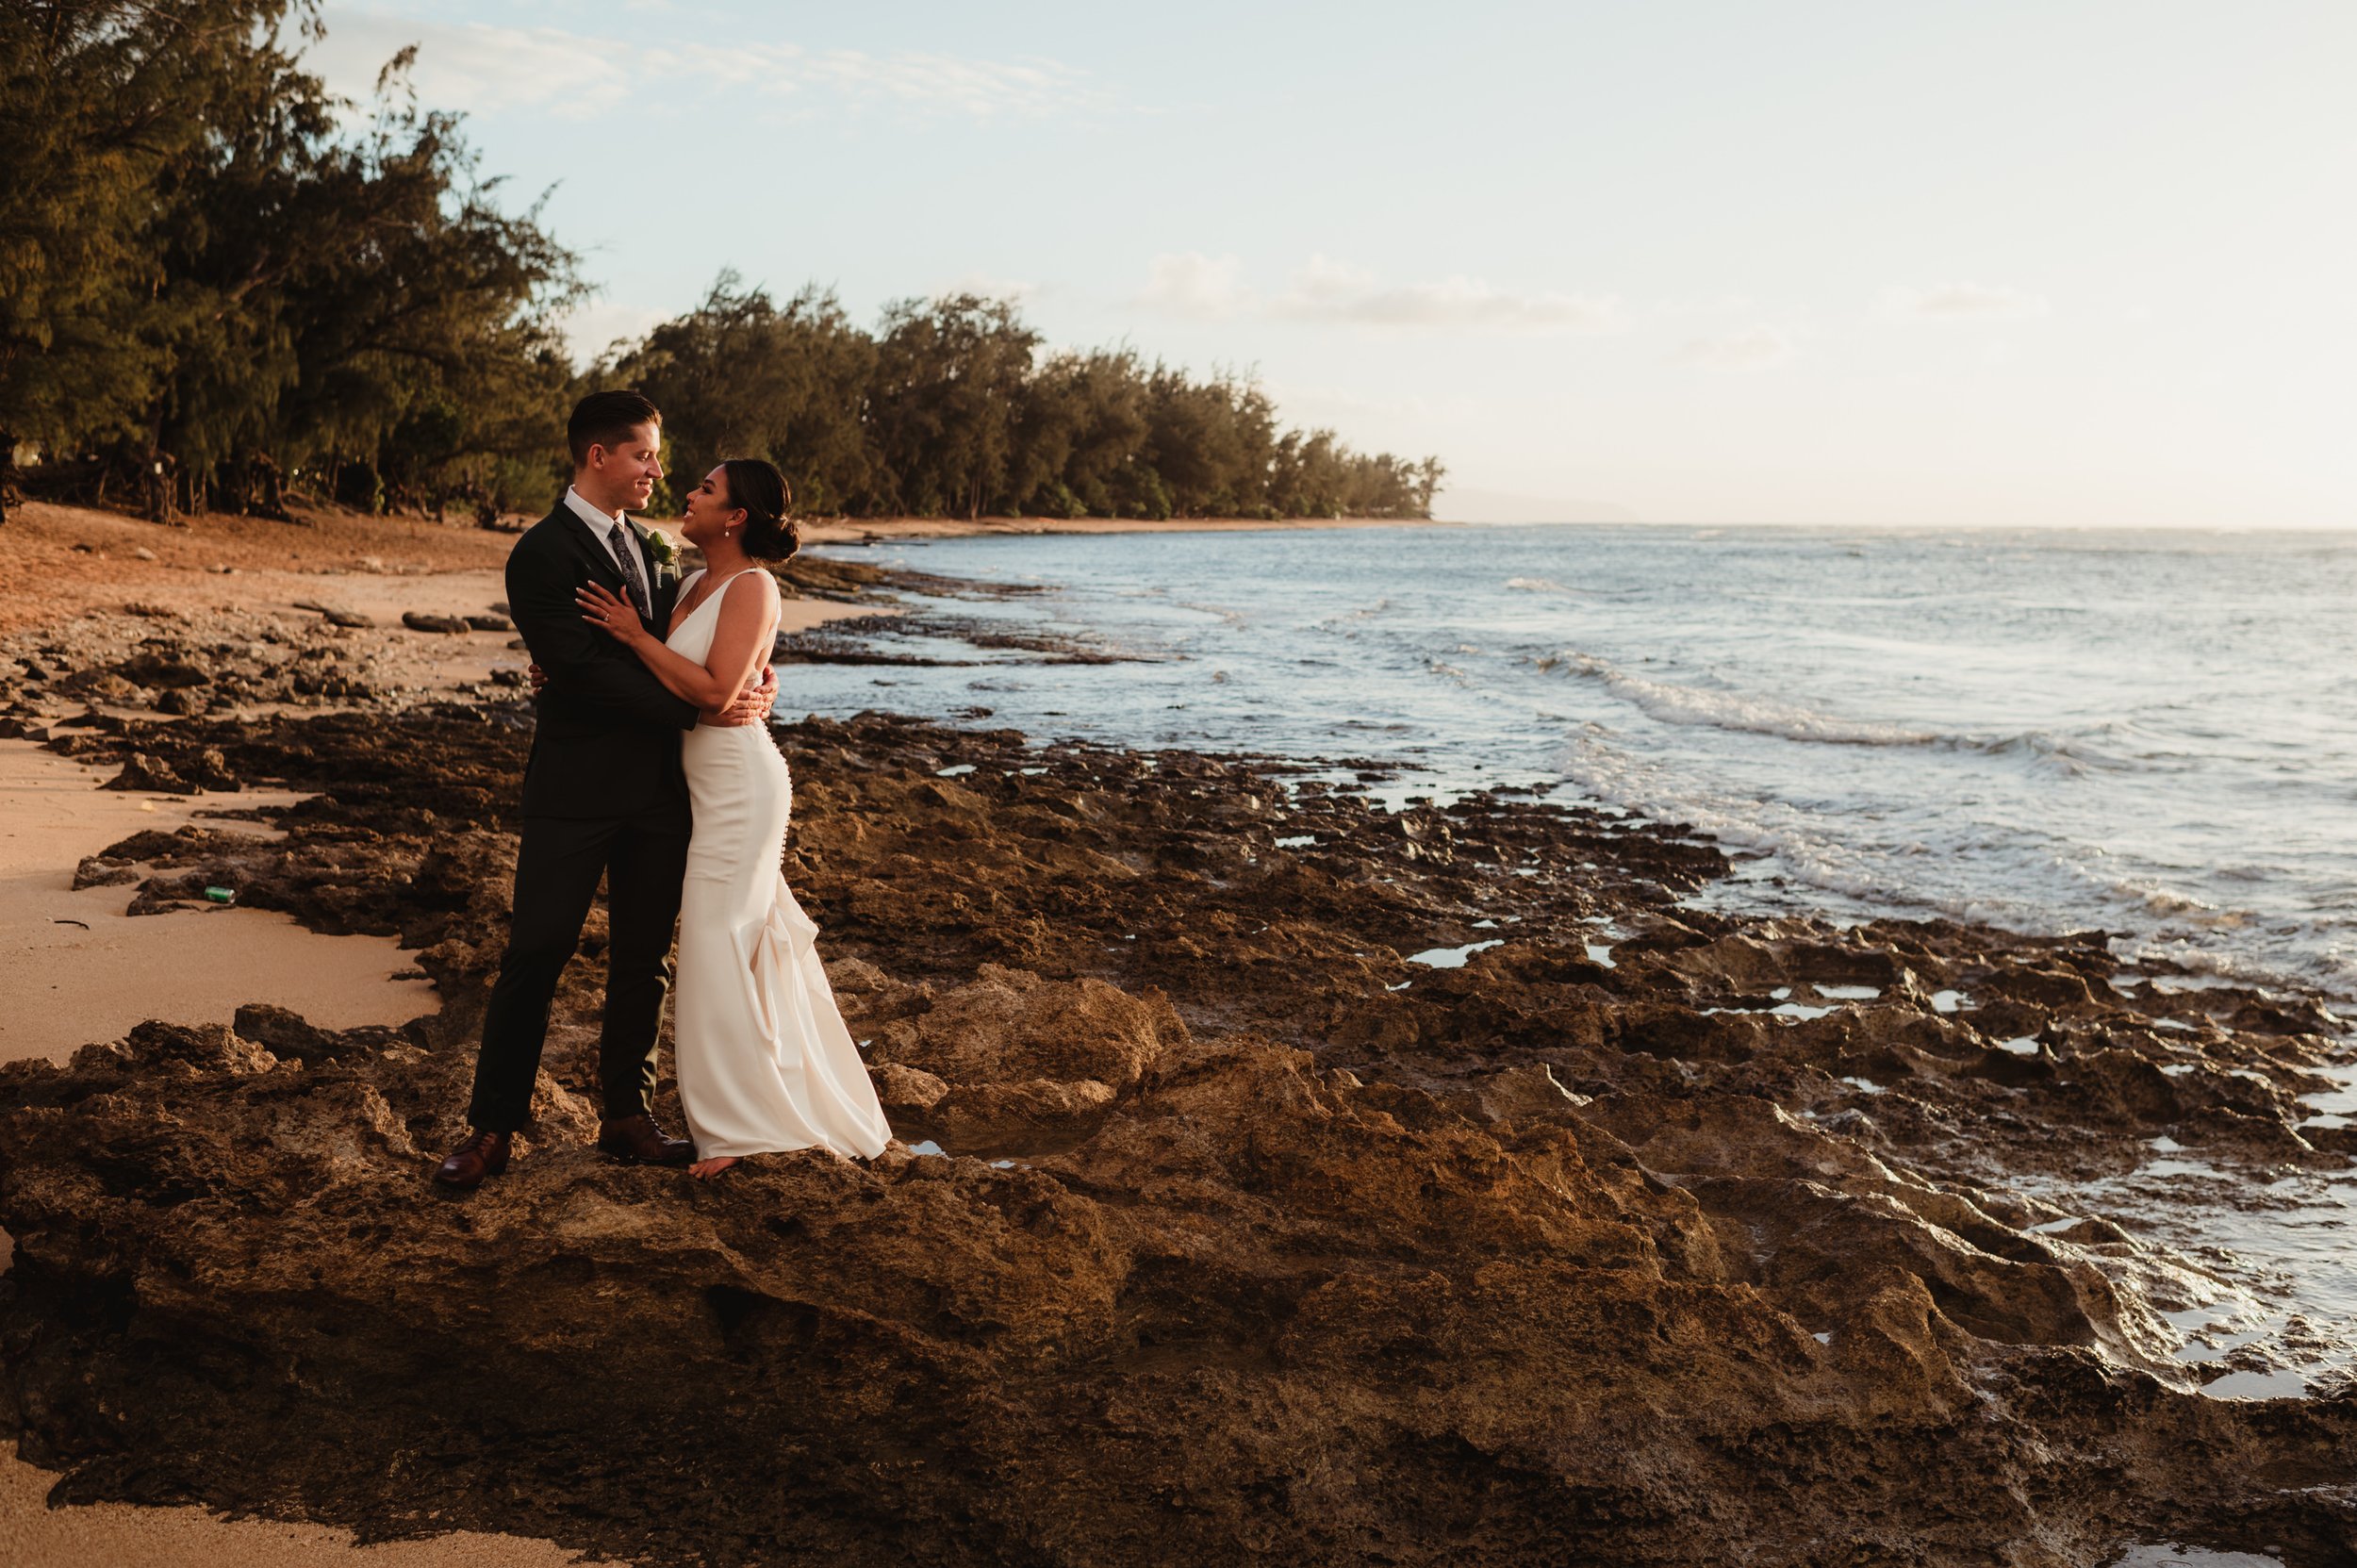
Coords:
644,859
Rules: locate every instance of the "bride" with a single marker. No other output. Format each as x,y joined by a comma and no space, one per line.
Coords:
764,1061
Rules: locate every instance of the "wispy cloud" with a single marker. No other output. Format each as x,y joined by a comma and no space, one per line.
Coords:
1957,301
1326,289
477,67
1201,287
1206,287
1753,348
484,68
978,88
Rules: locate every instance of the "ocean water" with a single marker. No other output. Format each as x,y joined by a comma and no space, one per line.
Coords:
2150,733
2153,733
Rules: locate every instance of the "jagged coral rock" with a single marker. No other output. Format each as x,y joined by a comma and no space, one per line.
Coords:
1268,1309
1279,1247
1021,1059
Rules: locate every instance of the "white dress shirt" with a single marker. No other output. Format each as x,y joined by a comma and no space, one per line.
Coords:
609,529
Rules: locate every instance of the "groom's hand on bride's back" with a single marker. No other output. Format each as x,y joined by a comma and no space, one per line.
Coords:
752,704
751,707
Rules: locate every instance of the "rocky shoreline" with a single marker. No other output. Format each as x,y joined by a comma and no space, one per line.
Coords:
1313,1184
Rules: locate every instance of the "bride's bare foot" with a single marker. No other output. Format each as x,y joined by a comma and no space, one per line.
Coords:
705,1171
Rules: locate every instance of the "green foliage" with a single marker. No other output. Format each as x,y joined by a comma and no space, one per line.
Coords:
207,288
943,402
211,290
950,410
95,118
738,376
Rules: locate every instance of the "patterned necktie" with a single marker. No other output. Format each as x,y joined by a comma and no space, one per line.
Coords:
632,579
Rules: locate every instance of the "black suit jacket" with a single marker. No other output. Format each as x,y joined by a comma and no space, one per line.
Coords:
608,743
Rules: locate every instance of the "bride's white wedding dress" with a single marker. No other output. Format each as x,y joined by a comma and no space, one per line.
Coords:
764,1063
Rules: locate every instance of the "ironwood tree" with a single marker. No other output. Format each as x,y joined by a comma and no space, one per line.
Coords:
219,282
208,285
950,408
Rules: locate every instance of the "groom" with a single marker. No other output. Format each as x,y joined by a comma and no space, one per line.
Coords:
603,793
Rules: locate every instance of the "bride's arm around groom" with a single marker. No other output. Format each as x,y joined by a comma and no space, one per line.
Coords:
588,683
747,621
604,798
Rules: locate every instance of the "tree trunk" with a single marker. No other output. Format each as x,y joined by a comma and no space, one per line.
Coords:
156,482
263,475
7,474
159,477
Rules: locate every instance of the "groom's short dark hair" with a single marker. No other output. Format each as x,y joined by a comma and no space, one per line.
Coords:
605,418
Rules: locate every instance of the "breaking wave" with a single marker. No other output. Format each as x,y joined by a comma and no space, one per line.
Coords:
1672,704
1726,710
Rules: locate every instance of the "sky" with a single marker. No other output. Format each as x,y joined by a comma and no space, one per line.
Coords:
2071,263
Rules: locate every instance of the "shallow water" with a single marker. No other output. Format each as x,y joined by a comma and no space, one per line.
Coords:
2256,1278
2151,734
2155,733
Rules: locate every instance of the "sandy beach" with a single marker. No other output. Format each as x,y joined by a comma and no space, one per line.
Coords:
60,559
78,969
1279,1176
90,971
1675,887
99,971
125,1535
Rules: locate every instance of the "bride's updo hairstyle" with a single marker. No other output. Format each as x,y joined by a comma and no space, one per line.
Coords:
761,490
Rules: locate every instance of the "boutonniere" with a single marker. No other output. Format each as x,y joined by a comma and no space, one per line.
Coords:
661,551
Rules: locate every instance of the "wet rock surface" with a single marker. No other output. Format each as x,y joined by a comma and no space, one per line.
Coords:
1441,1189
181,665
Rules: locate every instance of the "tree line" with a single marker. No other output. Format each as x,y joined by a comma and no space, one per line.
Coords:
950,408
213,284
221,285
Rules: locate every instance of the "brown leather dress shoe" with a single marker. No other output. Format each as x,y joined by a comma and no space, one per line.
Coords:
483,1154
639,1141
